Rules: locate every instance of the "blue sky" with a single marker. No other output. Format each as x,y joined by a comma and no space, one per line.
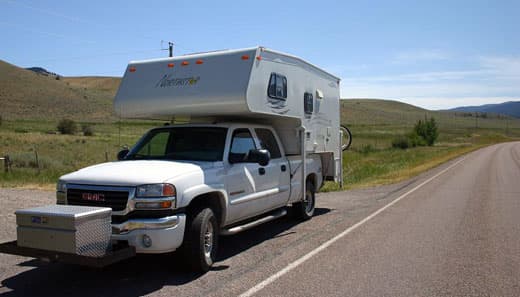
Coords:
434,54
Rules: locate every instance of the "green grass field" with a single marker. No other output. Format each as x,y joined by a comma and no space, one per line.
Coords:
59,154
371,160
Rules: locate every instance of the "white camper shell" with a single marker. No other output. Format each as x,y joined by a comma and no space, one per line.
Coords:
254,84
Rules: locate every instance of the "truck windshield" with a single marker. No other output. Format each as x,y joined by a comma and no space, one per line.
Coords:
181,143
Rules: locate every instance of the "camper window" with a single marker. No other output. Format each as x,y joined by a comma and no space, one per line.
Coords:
308,103
277,86
268,142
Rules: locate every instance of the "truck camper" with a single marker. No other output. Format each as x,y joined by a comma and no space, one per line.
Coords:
251,132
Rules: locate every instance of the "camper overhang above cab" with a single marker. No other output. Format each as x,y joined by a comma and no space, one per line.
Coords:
230,82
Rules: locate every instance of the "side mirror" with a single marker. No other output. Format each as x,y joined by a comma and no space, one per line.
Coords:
122,154
261,157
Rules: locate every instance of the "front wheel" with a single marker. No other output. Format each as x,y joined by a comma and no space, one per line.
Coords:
305,210
201,240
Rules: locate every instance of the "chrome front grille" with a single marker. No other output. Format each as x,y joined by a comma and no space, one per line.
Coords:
87,195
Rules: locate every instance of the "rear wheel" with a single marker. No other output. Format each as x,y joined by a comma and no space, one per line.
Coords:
305,210
201,240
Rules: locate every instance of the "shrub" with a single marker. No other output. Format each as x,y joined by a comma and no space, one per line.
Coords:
67,126
423,133
427,130
0,120
87,130
401,142
415,139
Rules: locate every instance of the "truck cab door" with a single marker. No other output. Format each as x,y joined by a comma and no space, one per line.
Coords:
277,174
242,178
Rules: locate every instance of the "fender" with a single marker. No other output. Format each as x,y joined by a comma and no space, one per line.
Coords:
189,194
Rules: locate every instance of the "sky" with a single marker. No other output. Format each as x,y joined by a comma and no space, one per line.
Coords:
434,54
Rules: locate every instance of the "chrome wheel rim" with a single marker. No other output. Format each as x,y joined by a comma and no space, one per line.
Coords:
208,240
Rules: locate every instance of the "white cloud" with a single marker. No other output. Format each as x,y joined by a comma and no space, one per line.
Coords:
505,67
493,80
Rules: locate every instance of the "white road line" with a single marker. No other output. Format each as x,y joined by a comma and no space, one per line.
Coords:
325,245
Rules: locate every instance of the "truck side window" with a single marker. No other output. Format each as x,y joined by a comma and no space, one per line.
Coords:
277,86
268,142
308,103
241,143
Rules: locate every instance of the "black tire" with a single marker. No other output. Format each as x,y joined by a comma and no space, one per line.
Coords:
201,231
305,210
347,137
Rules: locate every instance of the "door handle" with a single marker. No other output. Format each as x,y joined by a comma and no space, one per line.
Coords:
261,171
284,168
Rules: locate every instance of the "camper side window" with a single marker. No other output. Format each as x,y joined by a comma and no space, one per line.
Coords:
308,103
277,86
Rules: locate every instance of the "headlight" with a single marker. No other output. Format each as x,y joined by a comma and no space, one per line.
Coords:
61,186
156,190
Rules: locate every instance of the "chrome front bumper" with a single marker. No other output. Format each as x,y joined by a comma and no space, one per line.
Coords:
149,224
166,233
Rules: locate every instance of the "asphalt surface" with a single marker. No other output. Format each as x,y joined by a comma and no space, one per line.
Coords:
452,231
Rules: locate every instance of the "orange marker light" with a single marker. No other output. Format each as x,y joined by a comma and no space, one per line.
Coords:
245,57
131,69
199,62
166,204
185,63
259,58
170,65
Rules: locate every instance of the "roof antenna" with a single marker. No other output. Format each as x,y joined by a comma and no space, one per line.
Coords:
170,47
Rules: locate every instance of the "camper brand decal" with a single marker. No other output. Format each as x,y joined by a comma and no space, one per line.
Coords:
168,81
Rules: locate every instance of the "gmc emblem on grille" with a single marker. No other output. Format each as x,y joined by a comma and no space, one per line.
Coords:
93,196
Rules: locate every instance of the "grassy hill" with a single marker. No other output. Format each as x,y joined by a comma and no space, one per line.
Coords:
25,94
377,122
376,112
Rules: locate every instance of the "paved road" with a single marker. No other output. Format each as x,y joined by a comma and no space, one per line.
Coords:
453,231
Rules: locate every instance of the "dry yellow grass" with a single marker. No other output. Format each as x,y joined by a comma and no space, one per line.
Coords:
25,94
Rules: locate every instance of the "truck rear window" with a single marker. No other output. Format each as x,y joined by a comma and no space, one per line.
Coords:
181,143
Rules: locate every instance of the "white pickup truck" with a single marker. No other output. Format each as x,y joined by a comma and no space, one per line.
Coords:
262,134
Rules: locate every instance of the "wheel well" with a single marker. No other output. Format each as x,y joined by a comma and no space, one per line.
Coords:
313,179
213,200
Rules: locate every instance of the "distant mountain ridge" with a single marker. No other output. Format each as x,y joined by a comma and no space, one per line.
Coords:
510,108
42,71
